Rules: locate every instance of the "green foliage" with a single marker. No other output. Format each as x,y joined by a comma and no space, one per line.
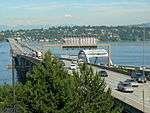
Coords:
120,70
5,96
103,33
92,95
50,89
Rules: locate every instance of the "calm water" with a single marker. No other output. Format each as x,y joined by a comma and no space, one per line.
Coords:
5,59
123,53
131,53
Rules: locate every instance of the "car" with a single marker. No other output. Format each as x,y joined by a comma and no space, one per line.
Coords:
103,73
139,77
125,87
132,82
73,66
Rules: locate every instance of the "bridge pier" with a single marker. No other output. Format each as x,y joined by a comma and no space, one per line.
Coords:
22,66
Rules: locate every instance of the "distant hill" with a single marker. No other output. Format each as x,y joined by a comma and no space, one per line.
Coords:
34,26
144,25
4,27
147,24
103,33
25,27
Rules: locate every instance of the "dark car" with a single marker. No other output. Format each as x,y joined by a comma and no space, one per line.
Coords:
103,73
139,77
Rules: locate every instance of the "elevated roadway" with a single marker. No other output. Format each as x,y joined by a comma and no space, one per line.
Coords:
137,99
19,49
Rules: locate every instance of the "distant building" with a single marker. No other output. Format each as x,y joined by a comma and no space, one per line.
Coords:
81,40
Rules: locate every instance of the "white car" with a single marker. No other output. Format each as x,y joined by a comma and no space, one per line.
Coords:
125,87
132,82
73,66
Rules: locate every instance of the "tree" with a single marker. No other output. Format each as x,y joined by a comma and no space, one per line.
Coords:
50,89
92,94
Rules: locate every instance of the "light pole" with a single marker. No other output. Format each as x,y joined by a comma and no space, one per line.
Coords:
143,100
143,68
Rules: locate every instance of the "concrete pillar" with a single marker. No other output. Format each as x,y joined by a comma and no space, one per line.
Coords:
73,40
94,41
85,41
82,41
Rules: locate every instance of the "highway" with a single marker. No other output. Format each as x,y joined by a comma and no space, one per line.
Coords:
15,48
134,99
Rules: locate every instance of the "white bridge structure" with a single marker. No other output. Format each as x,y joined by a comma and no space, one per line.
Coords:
95,56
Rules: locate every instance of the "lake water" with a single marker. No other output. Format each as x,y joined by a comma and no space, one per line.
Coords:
123,53
131,53
5,59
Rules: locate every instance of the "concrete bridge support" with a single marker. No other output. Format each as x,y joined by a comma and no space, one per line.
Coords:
22,66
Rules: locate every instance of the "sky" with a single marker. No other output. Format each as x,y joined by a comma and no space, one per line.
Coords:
74,12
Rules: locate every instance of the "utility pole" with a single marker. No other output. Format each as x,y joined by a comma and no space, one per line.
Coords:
143,52
143,67
143,101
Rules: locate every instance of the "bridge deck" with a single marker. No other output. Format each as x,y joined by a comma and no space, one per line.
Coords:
134,99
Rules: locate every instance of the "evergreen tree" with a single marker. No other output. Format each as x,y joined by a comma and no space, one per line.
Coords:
50,89
92,96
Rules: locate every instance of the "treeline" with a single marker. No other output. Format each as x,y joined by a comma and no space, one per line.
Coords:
49,88
134,33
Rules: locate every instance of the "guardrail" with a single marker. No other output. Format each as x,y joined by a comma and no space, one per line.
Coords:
111,68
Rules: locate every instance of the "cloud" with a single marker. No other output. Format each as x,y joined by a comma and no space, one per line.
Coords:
35,7
92,12
68,16
128,8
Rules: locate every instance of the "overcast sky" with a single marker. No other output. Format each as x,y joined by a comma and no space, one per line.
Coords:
76,12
